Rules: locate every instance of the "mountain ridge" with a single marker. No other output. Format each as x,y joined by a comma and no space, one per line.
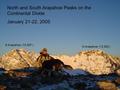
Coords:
93,61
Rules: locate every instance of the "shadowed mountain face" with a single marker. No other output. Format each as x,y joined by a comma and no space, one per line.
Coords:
95,62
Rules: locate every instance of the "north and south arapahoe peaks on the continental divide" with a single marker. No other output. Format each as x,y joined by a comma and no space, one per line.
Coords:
96,62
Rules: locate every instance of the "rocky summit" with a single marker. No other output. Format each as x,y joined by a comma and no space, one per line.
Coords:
96,62
18,59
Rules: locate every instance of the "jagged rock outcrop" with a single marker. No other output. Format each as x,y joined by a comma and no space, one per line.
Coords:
93,61
19,58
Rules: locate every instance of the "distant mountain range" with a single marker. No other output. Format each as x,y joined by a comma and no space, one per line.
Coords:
93,61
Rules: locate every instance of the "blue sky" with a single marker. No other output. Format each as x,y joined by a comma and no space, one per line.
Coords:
68,31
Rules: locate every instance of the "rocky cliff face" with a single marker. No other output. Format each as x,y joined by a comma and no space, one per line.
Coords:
18,58
93,61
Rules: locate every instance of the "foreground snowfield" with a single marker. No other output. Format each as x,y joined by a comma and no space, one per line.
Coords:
31,79
61,86
83,83
75,72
